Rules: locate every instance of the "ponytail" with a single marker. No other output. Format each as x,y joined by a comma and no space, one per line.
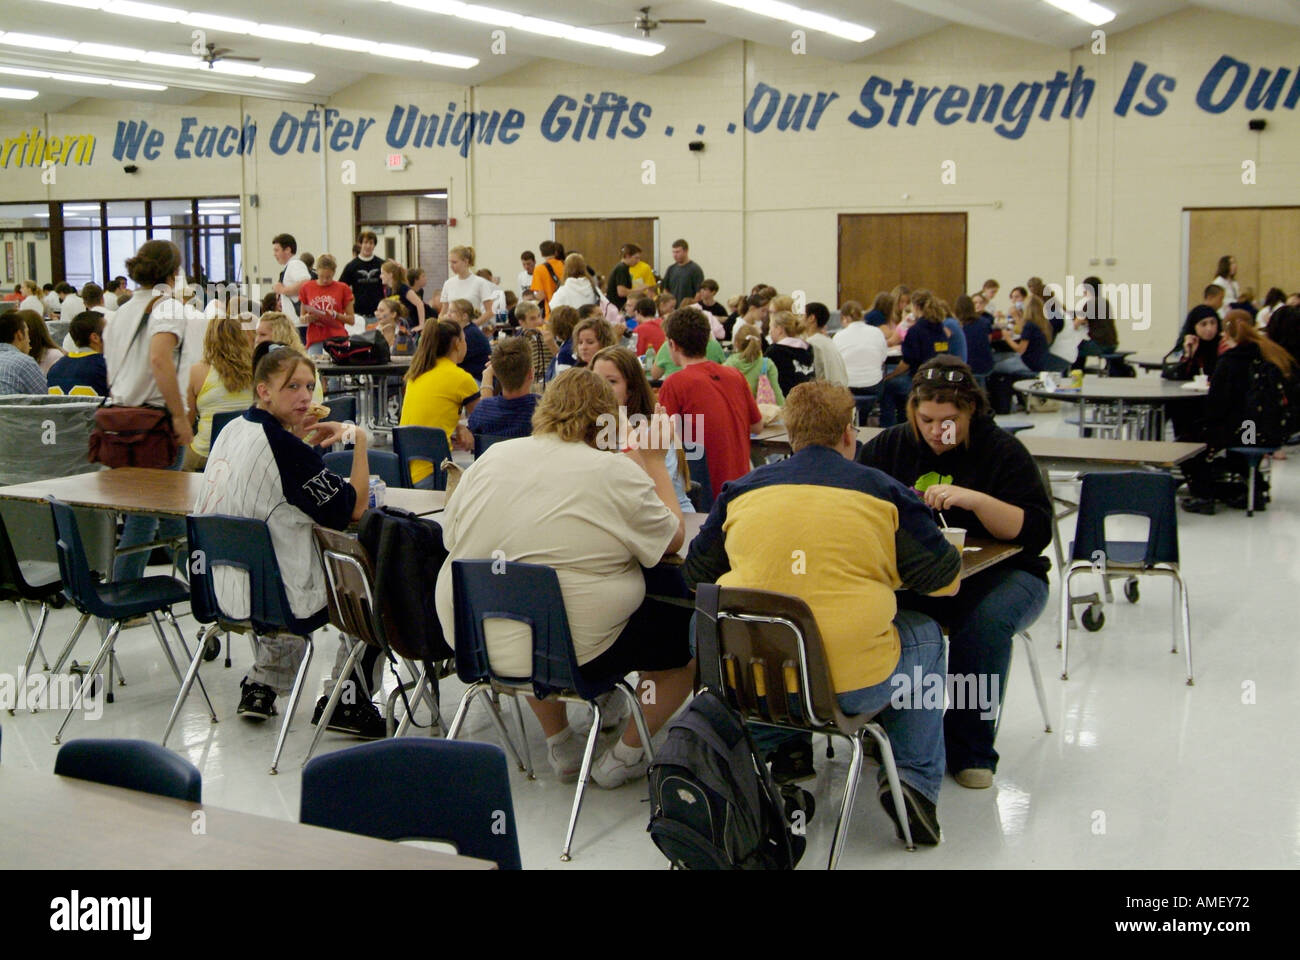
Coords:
434,345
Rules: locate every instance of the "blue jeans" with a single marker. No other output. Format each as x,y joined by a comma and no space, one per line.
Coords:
893,395
141,528
915,731
991,608
1011,365
317,349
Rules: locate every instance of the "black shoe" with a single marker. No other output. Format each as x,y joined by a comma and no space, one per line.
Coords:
922,815
1203,505
359,719
792,761
257,701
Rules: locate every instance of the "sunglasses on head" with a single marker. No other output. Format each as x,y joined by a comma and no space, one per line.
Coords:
950,375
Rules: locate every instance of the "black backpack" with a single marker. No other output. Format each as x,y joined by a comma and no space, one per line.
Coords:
369,348
1268,405
714,805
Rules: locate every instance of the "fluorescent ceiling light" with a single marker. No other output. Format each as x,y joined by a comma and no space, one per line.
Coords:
270,31
107,51
547,28
489,15
84,4
24,72
399,52
137,85
211,21
17,93
144,11
37,42
336,41
451,7
80,78
286,76
450,60
236,68
777,10
494,16
1093,13
155,58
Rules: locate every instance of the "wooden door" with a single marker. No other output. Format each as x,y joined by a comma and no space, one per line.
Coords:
1279,251
878,251
599,239
1211,235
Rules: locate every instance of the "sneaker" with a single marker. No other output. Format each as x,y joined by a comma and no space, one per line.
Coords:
614,711
257,701
975,778
566,757
359,719
610,772
792,761
922,815
1203,505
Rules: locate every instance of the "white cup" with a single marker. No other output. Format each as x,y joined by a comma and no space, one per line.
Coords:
956,536
1202,381
1049,381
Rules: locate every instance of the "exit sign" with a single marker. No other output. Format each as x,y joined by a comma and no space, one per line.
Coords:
395,161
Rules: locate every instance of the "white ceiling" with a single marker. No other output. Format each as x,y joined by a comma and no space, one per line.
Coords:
895,21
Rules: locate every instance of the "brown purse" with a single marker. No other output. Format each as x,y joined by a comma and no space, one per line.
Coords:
134,436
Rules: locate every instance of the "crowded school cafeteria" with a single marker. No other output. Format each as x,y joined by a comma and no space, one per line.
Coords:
571,436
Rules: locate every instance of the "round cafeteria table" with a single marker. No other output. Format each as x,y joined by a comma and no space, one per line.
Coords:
1144,398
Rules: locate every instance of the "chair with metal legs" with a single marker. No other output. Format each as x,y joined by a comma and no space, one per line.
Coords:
1032,656
1132,493
422,445
530,594
132,764
29,581
114,602
234,545
752,642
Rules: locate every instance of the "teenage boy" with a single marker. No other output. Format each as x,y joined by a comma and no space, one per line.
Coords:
293,275
827,362
19,373
546,278
707,299
510,412
83,372
717,396
362,275
685,276
621,286
649,328
524,281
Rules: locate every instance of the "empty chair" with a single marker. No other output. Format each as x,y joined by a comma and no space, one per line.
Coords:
763,641
422,444
238,543
423,789
530,594
133,764
29,581
1132,493
115,602
381,463
343,408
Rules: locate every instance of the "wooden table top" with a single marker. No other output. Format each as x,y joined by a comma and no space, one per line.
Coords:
59,823
169,493
1130,389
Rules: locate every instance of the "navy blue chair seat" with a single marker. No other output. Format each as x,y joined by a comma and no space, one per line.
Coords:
29,581
381,463
422,444
219,421
133,764
343,408
484,440
138,597
425,789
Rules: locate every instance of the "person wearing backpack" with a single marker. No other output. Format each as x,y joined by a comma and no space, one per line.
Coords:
859,540
1252,400
546,277
759,371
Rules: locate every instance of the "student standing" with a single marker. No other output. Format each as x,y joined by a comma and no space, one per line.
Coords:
293,275
621,286
464,284
327,306
546,278
684,278
363,275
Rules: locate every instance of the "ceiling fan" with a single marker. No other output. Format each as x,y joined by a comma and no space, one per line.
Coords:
215,53
645,23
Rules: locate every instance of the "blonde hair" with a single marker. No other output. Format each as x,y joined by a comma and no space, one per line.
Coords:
1034,314
574,266
747,343
573,405
326,262
851,311
781,304
283,331
464,253
791,323
465,308
30,287
816,414
396,271
226,350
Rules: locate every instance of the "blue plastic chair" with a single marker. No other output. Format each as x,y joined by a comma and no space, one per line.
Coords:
115,602
219,421
530,594
484,440
133,764
1254,456
29,581
382,464
242,544
343,408
1131,493
425,789
428,444
701,497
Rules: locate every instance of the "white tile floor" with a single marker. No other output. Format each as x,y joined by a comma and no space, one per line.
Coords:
1139,771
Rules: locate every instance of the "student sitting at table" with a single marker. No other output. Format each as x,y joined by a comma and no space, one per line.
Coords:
665,366
477,346
276,327
789,352
1102,338
649,329
590,336
1029,351
510,412
1197,351
437,389
560,326
863,536
264,470
980,478
83,371
390,320
607,515
717,397
529,316
861,343
221,382
827,362
620,368
978,330
747,357
925,338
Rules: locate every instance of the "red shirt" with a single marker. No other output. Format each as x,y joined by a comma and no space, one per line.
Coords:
335,297
720,395
649,336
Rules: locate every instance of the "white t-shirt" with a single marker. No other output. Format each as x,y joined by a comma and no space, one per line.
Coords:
473,288
34,304
130,379
590,514
524,281
575,292
110,301
295,271
196,326
52,302
828,361
1066,344
864,351
72,305
70,346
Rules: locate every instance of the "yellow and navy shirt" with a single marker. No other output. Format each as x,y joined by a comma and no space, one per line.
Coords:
81,374
857,537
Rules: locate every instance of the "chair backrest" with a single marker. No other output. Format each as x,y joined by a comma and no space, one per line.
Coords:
454,791
381,463
429,444
484,440
350,581
78,584
343,408
134,764
219,421
702,499
762,652
1131,493
12,582
216,541
530,594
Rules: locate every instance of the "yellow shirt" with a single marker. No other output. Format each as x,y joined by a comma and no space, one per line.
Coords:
434,399
642,273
